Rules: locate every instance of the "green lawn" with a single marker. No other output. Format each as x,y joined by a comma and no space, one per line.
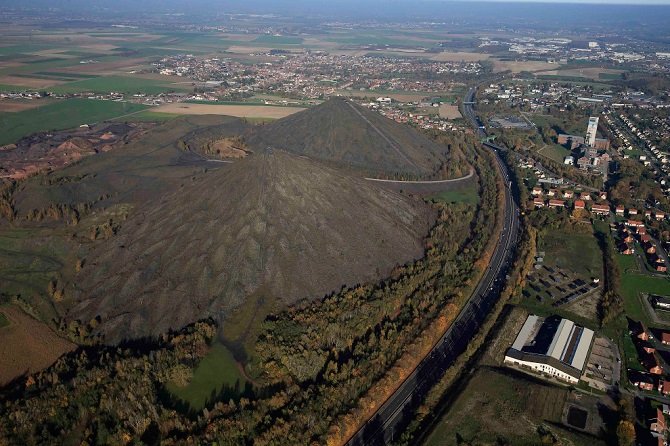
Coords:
61,115
117,84
469,196
3,320
555,152
576,252
216,370
633,283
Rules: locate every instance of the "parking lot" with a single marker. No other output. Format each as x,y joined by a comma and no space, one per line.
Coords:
603,367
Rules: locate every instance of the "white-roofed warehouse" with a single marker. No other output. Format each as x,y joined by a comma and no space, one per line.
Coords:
553,346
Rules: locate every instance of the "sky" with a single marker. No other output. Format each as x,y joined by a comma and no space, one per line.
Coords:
610,2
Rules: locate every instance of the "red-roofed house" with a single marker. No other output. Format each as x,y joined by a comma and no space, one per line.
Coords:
664,387
665,338
601,209
538,202
620,210
657,424
557,203
635,224
579,204
659,215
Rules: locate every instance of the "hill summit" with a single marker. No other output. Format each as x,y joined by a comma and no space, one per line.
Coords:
349,135
272,224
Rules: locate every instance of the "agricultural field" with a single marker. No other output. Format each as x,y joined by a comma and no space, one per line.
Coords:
240,111
12,106
594,73
448,111
119,84
516,66
61,115
217,372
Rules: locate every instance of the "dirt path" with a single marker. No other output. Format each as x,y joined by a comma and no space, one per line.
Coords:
453,180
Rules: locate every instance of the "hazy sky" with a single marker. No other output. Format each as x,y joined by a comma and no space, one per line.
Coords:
613,2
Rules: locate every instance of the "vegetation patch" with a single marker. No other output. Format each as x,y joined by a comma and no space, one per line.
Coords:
117,84
60,115
468,195
483,412
217,373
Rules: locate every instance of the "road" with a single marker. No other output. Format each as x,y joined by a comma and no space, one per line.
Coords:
453,180
394,415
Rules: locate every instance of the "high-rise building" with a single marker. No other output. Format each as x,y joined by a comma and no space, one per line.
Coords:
591,131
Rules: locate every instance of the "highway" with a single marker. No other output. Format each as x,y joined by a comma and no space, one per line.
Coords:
394,415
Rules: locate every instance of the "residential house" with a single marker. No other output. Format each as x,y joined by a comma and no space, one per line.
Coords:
538,202
620,210
626,249
601,209
579,204
635,224
557,203
657,424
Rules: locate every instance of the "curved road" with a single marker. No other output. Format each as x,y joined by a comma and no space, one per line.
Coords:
394,415
452,180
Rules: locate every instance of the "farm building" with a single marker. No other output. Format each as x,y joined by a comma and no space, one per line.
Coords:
553,346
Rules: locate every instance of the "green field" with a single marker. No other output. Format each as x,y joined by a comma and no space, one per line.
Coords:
576,252
61,115
13,88
117,84
633,283
3,320
278,40
555,152
216,370
469,196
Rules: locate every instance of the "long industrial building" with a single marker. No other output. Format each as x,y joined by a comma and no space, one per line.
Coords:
554,346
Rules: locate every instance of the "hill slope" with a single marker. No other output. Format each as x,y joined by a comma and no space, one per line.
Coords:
350,135
272,224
